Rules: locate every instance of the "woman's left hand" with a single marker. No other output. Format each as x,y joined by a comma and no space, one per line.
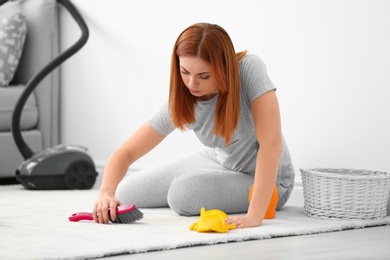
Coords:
244,221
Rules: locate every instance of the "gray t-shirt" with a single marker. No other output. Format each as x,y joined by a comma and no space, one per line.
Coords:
240,154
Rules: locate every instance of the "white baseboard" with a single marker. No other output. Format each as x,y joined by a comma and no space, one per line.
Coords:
296,197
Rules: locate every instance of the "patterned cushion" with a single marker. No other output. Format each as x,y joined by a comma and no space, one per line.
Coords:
13,29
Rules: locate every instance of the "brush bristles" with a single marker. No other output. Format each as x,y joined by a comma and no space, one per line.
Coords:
128,217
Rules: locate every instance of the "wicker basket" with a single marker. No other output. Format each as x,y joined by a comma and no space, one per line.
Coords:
345,193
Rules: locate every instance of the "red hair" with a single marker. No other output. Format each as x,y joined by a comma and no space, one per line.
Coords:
212,44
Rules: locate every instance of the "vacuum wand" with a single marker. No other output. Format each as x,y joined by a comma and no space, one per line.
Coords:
24,149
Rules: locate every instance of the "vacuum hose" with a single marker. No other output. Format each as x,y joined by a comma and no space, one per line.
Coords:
24,149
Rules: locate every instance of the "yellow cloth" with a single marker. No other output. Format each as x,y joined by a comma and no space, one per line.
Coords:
212,221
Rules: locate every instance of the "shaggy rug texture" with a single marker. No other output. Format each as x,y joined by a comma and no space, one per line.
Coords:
35,225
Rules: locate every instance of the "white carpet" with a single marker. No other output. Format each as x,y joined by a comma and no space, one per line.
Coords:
35,225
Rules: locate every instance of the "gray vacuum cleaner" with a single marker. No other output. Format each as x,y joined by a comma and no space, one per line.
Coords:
62,166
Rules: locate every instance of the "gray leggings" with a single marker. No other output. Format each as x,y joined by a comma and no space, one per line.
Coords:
187,184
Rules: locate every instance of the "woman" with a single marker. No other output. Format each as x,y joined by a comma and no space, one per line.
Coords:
229,102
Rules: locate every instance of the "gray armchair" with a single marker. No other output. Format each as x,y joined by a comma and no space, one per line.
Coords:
40,117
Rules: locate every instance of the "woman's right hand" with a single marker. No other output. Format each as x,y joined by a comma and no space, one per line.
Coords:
102,207
140,143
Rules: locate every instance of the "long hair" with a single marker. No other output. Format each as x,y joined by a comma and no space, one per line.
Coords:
212,44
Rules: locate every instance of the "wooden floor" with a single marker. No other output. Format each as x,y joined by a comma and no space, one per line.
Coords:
368,243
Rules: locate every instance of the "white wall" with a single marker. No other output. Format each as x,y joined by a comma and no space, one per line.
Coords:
330,60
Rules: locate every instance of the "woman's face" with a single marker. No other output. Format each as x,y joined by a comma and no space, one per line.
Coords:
197,76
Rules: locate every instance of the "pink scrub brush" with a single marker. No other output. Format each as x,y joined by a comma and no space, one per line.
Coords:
125,214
